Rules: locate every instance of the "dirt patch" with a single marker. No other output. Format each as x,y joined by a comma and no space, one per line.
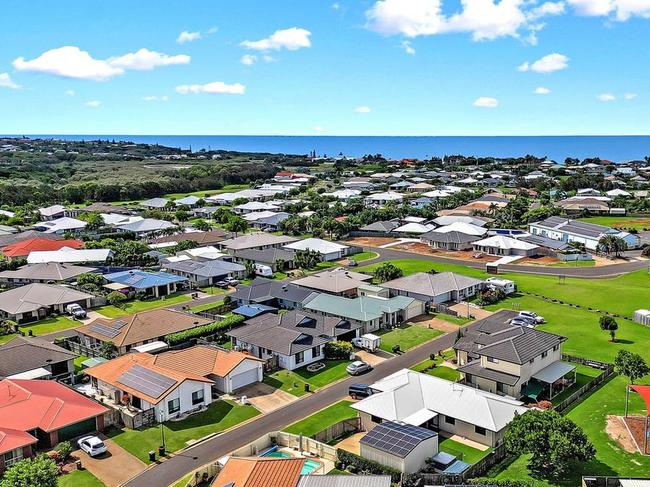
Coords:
474,311
602,261
618,432
371,241
465,255
351,443
435,323
636,426
542,260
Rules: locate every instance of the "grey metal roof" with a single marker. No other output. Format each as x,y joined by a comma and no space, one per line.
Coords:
344,481
265,256
47,271
253,240
449,237
474,368
35,296
211,268
27,353
27,235
382,226
572,226
517,344
432,284
546,242
261,290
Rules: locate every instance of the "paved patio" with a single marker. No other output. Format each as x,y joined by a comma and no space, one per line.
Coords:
351,443
372,358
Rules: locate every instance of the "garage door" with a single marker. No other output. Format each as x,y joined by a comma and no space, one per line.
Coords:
77,429
244,378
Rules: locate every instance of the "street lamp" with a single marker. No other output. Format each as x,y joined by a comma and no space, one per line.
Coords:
162,432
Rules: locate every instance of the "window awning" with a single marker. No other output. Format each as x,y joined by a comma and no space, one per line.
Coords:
420,417
31,374
532,390
553,372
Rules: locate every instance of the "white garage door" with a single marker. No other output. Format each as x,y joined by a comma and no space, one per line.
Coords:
244,378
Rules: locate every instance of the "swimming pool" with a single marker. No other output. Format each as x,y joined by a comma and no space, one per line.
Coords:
308,467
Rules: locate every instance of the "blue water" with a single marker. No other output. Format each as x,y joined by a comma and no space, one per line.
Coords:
614,148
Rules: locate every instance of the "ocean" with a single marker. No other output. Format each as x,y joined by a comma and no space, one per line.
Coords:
614,148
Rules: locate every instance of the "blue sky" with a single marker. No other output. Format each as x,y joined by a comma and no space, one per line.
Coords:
387,67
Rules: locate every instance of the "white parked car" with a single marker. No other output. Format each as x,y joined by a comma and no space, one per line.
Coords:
92,445
532,316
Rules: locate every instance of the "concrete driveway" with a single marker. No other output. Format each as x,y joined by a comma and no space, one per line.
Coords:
265,398
114,467
372,358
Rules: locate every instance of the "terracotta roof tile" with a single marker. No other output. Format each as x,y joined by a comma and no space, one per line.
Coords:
202,360
260,472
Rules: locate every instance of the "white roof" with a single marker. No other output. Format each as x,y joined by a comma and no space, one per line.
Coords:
503,242
9,214
317,244
462,227
208,252
617,192
405,394
449,219
151,347
31,374
634,482
256,205
51,210
253,216
118,219
415,219
344,193
188,200
146,225
420,417
414,228
69,255
387,196
61,225
437,193
553,372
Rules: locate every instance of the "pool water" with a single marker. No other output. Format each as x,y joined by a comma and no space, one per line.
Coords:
308,467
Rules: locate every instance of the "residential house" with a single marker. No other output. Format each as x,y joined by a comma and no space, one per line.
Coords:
260,472
333,480
270,257
339,282
449,240
253,206
345,194
439,405
573,231
370,312
155,203
328,250
210,237
189,201
379,228
279,294
52,212
292,339
513,360
70,256
6,240
259,241
146,226
22,249
270,222
36,301
61,225
505,246
414,228
35,358
129,331
449,219
576,205
155,284
436,288
44,272
380,199
202,274
42,412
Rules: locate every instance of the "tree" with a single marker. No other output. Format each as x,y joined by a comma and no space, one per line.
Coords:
93,220
607,323
107,350
387,272
307,258
91,278
181,215
31,472
249,265
631,365
202,225
116,298
553,441
612,243
185,245
236,224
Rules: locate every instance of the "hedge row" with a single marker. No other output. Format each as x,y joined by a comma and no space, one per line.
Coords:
204,330
367,466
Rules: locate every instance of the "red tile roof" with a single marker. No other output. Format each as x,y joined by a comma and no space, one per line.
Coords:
45,404
23,249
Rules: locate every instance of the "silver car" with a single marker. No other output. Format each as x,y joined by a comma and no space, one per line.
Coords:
358,367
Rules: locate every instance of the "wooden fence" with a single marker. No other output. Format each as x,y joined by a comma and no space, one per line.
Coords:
216,313
337,430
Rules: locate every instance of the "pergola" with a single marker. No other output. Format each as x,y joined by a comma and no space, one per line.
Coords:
644,392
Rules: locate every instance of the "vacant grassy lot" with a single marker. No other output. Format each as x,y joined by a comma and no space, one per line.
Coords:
219,416
361,256
293,381
229,188
406,336
322,419
207,306
138,305
638,223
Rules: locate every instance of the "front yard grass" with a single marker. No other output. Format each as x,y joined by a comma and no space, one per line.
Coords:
219,416
584,375
207,306
463,452
137,306
361,256
439,370
322,419
79,478
406,336
293,381
50,325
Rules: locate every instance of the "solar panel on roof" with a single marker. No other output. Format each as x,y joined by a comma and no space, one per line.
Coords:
146,381
119,324
107,331
396,438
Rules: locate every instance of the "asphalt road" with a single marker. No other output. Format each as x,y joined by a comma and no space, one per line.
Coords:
210,450
584,272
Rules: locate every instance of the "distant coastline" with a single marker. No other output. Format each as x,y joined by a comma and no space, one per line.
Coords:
617,148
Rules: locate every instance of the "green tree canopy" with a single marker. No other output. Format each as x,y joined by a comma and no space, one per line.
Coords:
31,472
387,271
609,324
631,365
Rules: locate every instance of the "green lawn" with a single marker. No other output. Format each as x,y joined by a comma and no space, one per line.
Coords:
575,263
584,375
322,419
457,320
219,416
79,478
229,188
462,451
293,381
361,256
207,306
212,290
138,305
638,223
406,336
78,361
50,325
441,371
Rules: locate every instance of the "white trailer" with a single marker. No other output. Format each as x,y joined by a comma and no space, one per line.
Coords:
367,342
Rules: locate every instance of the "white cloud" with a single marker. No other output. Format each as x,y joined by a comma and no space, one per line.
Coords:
486,102
546,64
146,60
7,82
336,6
93,104
72,62
546,9
186,36
69,93
216,87
620,10
318,128
630,96
212,30
542,91
69,62
408,48
290,39
155,98
248,59
606,97
362,109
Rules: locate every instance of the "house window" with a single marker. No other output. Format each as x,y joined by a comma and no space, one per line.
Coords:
450,420
315,352
197,397
173,406
300,357
468,378
531,360
501,387
556,348
493,360
544,354
13,456
479,431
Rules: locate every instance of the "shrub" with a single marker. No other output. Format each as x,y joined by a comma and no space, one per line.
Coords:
337,350
490,296
115,298
64,448
366,466
500,482
204,330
